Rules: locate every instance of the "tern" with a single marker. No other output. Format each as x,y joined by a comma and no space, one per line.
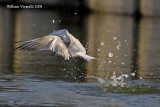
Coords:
61,42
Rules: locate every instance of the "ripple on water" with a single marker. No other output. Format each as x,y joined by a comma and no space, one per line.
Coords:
129,88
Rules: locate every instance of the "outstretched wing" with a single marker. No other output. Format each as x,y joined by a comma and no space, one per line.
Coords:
62,34
53,43
75,44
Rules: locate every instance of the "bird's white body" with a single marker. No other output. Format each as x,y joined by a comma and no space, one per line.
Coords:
56,41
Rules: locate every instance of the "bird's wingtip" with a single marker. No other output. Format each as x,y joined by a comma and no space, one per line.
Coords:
18,41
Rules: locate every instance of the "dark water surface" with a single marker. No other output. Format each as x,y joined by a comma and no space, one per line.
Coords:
127,72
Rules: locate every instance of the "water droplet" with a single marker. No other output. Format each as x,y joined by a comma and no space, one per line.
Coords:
114,73
110,54
126,75
53,21
102,43
118,47
114,38
133,74
59,20
122,63
132,66
109,62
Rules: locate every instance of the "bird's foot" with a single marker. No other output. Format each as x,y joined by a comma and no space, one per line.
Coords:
80,57
53,54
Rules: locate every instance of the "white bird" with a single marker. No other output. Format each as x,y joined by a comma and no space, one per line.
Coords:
60,42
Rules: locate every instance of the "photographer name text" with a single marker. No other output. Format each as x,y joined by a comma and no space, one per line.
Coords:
24,6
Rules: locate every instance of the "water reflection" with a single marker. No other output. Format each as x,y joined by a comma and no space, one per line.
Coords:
123,46
149,48
110,39
7,38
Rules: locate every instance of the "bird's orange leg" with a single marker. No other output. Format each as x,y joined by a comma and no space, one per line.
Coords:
80,57
53,54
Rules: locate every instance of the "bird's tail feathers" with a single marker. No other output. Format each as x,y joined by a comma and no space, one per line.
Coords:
84,56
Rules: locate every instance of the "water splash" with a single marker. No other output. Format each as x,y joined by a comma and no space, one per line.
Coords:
118,85
102,43
109,62
115,81
118,46
53,21
133,74
114,38
110,54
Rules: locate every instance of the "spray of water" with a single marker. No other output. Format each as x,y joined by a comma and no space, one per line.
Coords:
117,84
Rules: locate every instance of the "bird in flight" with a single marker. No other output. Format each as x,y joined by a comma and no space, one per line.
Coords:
61,42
